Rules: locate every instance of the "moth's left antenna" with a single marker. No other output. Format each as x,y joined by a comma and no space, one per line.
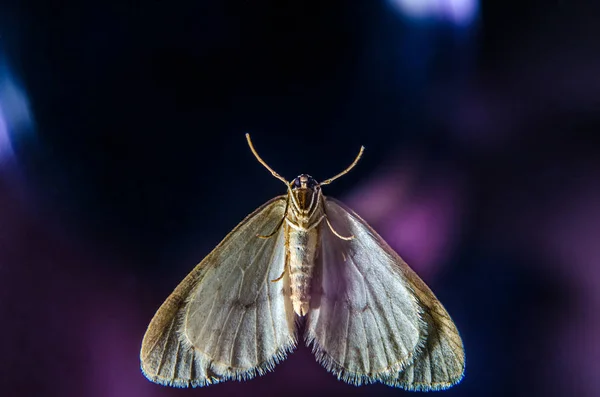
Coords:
260,160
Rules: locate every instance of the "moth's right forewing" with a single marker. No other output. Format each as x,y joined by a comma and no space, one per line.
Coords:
373,319
226,319
364,323
441,363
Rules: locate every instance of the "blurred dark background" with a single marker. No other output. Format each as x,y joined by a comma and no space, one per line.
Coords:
123,163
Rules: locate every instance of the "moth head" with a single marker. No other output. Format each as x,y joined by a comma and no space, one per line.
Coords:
305,191
305,181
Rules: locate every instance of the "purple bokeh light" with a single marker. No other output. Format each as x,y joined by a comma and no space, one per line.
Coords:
566,234
418,217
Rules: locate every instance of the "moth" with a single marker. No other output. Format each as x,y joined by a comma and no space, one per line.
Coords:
303,259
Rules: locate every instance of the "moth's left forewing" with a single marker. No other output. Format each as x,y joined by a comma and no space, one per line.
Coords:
226,319
372,318
164,359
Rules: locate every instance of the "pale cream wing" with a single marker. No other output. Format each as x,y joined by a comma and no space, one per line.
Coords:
226,320
441,363
364,323
372,318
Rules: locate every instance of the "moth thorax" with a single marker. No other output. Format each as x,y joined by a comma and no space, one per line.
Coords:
305,191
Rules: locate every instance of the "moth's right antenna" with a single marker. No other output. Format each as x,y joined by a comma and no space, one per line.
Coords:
260,160
328,181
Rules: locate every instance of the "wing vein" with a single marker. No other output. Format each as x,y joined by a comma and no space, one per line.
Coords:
234,342
348,319
445,366
177,351
216,345
381,338
387,323
367,346
430,367
212,306
256,333
271,314
162,353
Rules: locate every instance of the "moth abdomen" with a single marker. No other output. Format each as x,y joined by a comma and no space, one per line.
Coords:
301,261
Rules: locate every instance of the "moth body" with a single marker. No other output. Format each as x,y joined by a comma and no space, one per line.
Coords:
304,214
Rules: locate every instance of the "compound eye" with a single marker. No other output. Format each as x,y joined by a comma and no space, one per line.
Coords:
297,183
312,183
